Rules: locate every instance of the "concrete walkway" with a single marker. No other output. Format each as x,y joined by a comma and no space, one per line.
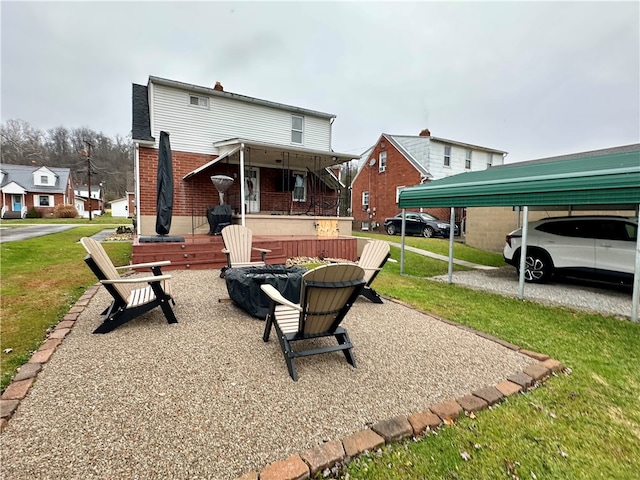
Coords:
444,258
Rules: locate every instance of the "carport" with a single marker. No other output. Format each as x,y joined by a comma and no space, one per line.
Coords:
603,180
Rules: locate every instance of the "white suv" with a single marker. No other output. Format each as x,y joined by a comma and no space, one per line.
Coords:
593,246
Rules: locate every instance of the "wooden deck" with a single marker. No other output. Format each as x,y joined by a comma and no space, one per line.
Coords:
205,251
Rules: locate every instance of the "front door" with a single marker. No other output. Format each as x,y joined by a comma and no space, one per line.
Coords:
17,203
252,189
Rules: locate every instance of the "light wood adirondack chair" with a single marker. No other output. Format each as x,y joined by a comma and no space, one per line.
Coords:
327,293
374,255
129,302
238,246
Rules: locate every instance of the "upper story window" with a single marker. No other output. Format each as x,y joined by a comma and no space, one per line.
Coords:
490,160
199,101
44,180
297,128
447,155
382,162
398,190
365,200
467,160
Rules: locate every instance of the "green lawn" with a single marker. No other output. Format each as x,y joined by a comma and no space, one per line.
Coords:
40,279
579,426
105,219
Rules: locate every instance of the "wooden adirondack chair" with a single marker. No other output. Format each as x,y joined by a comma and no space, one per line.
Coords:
374,255
129,302
238,246
327,293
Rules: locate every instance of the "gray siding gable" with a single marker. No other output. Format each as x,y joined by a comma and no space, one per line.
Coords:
415,149
23,176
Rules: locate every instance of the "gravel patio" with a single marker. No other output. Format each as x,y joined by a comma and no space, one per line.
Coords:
207,398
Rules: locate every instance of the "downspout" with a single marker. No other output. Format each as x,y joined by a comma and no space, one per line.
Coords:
242,204
452,227
402,232
136,176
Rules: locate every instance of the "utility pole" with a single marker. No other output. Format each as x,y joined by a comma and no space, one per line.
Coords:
88,154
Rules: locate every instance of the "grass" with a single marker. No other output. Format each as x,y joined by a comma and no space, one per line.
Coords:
579,426
441,247
105,219
40,279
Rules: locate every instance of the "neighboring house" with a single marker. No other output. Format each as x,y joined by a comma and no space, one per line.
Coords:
84,204
487,227
399,161
27,186
123,207
279,157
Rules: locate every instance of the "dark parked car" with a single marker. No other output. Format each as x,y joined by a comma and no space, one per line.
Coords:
418,224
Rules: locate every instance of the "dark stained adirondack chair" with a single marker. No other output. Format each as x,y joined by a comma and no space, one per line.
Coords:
129,301
374,255
326,295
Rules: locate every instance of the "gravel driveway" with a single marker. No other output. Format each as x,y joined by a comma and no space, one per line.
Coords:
207,398
605,299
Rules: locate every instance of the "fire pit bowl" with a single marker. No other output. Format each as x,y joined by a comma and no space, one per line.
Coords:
243,285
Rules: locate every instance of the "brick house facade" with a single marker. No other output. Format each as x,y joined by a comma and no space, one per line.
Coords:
396,161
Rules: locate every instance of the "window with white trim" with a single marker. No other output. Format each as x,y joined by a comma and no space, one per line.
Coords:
382,162
198,101
467,160
365,226
365,200
43,201
447,155
44,180
297,128
299,187
398,190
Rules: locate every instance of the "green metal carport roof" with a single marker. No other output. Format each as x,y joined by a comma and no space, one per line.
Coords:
598,179
592,180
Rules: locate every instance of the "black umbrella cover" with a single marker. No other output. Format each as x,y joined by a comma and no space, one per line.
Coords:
164,208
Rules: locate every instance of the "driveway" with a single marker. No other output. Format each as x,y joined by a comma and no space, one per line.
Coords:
13,234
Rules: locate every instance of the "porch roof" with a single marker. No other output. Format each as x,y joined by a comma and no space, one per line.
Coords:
278,156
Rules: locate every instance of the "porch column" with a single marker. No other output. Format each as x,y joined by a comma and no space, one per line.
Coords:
242,206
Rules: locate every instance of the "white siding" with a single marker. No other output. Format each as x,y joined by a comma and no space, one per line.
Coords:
195,129
479,160
119,208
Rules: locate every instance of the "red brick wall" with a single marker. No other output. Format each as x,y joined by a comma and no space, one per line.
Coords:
382,185
197,193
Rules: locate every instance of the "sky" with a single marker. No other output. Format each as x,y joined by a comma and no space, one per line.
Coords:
535,79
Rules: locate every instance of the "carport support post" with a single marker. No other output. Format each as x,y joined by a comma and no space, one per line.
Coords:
402,230
523,251
452,227
636,278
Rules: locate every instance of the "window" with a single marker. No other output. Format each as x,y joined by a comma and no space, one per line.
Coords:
299,187
44,180
365,225
365,200
467,160
382,162
43,201
490,160
447,155
398,190
199,101
297,125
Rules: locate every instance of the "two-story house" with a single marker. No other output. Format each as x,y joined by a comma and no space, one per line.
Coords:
26,186
279,157
398,161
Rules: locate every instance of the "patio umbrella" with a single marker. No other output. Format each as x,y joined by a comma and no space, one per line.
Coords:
164,208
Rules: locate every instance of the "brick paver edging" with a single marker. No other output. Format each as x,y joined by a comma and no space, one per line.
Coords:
317,459
307,464
27,373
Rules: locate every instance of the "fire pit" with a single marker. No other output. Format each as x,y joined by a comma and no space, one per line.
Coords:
243,285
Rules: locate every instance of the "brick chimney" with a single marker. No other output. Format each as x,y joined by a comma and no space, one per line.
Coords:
218,87
425,133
